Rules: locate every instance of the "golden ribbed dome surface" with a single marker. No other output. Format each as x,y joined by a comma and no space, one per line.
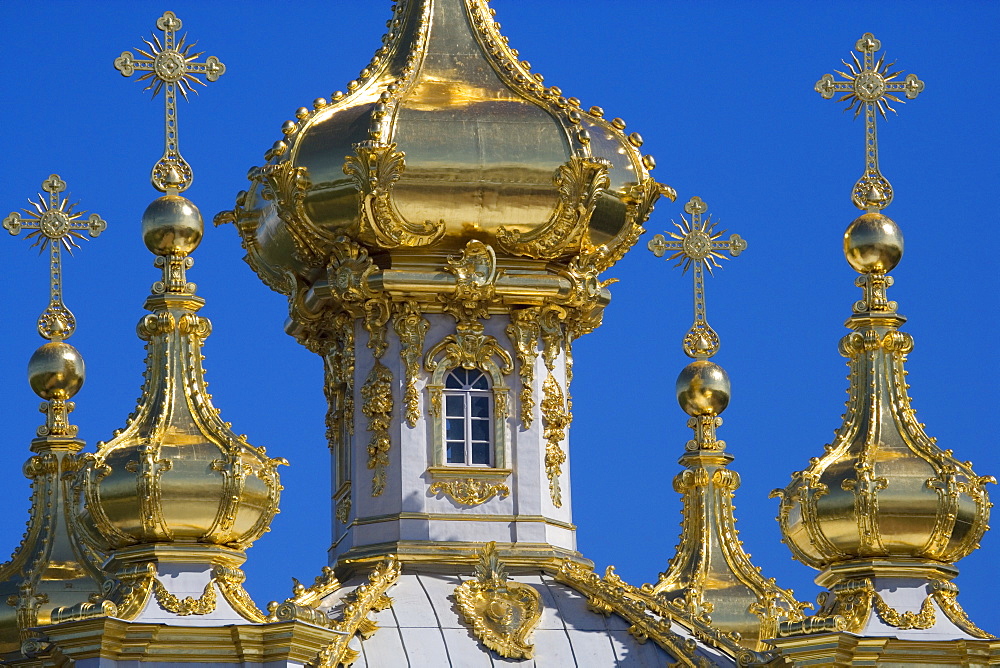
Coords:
446,136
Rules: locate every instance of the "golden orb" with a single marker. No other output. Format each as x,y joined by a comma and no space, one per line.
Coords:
172,225
56,371
703,388
873,243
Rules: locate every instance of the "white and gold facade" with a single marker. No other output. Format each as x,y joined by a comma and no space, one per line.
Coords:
441,229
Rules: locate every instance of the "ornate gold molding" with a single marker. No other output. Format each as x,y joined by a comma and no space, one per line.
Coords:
611,594
303,602
411,328
202,605
469,491
367,598
377,407
580,182
523,332
343,507
556,419
286,186
374,169
502,613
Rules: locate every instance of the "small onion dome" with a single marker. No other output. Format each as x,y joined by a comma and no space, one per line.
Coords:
446,136
56,371
177,472
873,243
183,490
882,489
172,225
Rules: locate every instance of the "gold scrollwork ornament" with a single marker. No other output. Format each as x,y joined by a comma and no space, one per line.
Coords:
503,614
470,491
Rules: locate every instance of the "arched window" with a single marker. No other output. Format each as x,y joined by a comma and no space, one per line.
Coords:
468,418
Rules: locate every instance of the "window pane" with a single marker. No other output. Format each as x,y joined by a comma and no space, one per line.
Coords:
455,430
481,453
480,406
454,380
480,430
480,382
456,453
455,405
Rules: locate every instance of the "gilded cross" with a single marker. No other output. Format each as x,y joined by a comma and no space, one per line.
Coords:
170,66
697,245
870,85
54,224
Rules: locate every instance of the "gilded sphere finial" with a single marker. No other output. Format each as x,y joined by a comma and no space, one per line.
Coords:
873,243
703,388
56,371
172,225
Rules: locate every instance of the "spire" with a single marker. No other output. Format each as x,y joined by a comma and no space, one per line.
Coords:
711,576
51,567
884,513
176,491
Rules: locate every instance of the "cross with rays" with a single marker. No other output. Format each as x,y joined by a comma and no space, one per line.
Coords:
696,245
870,85
55,225
170,67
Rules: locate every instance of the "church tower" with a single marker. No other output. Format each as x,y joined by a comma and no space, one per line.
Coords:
440,230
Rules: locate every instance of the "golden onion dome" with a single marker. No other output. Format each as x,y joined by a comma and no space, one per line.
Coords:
883,490
177,472
446,136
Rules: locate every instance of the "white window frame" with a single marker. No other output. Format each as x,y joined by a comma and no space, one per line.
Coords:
466,394
499,403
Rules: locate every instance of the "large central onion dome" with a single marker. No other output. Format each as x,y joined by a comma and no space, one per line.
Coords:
445,137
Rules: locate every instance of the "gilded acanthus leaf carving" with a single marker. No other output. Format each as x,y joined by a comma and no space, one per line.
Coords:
556,418
286,186
411,328
374,169
502,613
580,182
523,332
377,407
470,491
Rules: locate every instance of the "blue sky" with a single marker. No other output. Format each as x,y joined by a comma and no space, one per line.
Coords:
722,94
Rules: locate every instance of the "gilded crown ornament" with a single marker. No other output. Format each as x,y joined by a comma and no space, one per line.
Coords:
884,512
870,86
169,66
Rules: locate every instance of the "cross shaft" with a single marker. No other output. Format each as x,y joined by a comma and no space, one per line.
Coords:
55,225
870,85
697,245
170,66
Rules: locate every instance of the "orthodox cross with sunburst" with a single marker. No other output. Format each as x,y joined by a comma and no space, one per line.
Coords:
54,225
170,67
870,85
696,245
